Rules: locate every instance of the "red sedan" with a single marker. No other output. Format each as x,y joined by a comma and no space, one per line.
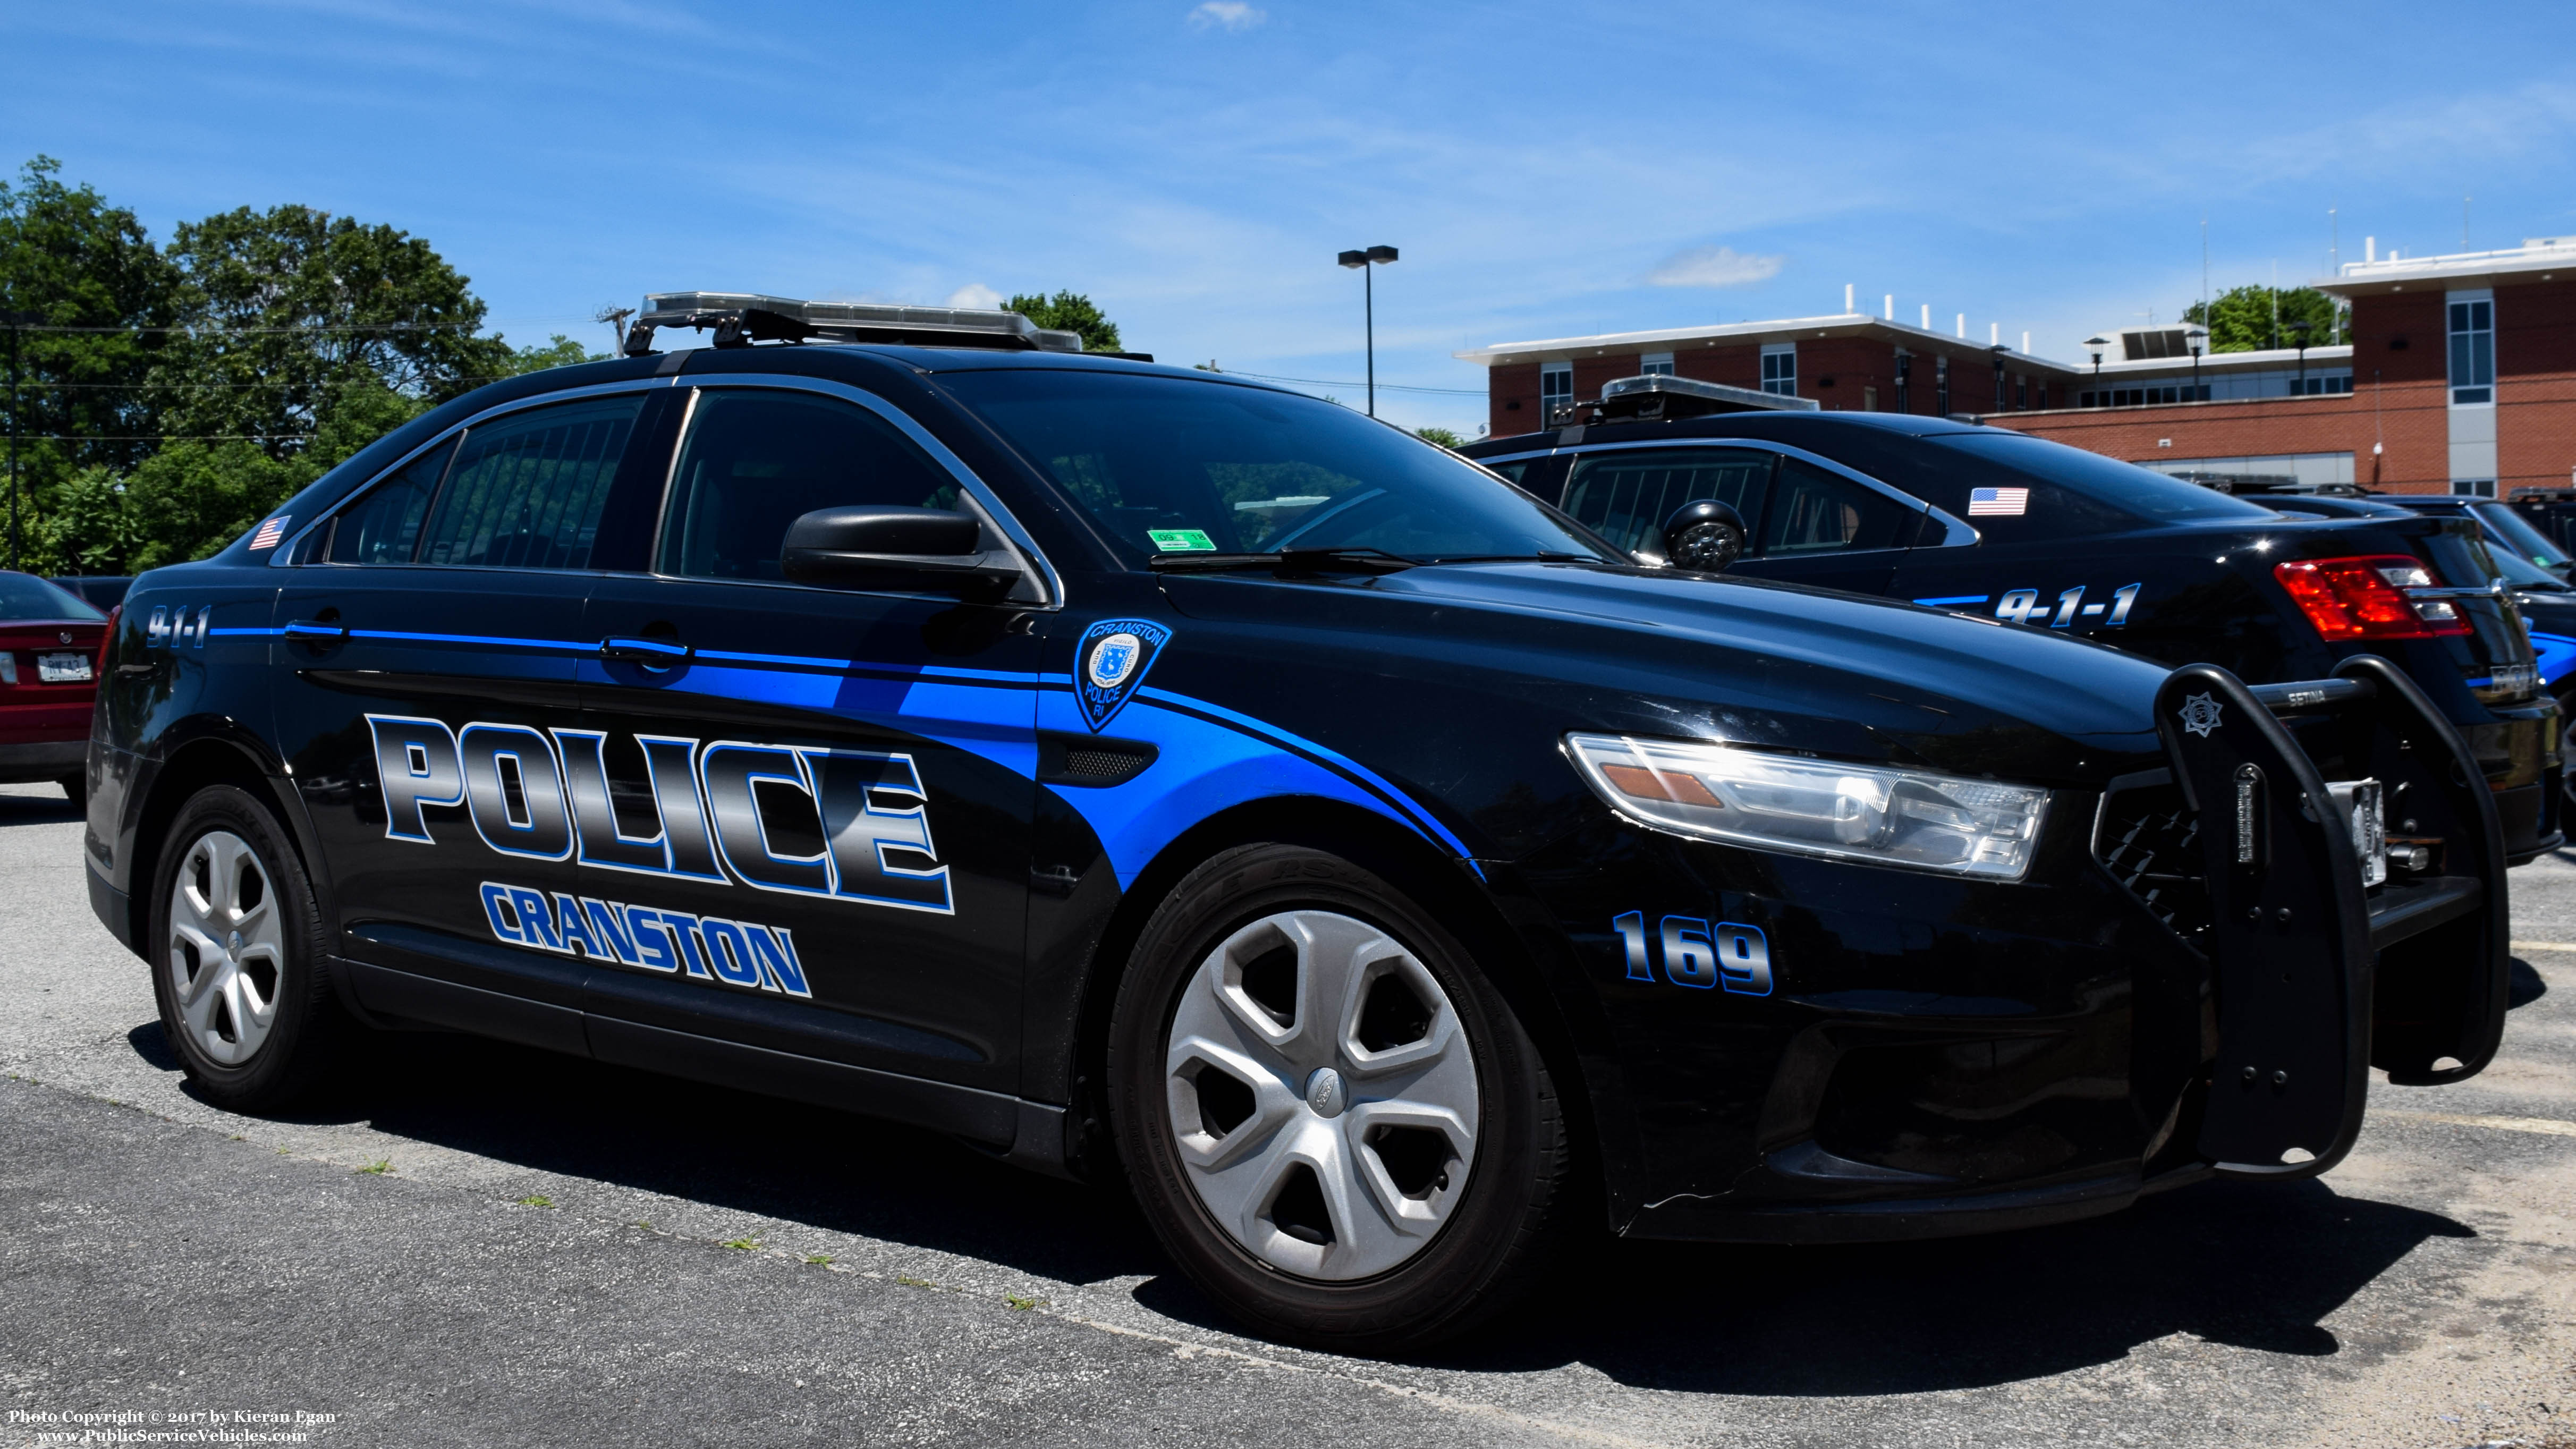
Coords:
49,643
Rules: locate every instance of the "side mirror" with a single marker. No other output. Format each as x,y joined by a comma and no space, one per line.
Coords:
877,546
1704,536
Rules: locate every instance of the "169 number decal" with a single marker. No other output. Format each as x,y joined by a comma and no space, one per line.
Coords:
1696,954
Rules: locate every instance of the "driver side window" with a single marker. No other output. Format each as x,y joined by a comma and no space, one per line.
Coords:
756,460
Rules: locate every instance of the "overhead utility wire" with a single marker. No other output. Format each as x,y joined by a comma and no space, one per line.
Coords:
1329,382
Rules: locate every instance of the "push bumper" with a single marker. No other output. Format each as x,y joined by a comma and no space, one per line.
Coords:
2298,976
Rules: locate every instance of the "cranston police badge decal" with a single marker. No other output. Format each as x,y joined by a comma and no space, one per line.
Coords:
2199,714
1110,662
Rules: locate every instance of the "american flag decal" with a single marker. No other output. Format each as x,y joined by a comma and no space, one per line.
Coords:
1987,502
275,528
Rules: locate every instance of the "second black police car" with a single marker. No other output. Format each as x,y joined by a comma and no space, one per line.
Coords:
2007,526
1133,770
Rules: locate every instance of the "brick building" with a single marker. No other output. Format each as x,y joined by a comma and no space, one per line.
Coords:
2460,376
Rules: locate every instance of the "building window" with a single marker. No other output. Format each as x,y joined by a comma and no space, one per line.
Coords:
1555,388
2472,349
1655,364
2021,394
2325,386
1780,368
1904,376
1869,399
2482,487
1941,386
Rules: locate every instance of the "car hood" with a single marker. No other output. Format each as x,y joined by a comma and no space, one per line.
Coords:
1652,651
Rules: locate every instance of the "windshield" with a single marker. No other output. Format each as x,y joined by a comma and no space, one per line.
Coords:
2518,536
1168,465
24,596
2092,479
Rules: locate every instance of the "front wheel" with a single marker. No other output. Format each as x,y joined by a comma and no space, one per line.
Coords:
1334,1121
236,956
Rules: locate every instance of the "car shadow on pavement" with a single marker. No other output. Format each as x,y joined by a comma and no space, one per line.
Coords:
2527,986
2250,1265
35,805
730,1149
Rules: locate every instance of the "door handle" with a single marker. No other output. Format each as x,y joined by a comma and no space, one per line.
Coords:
314,630
660,653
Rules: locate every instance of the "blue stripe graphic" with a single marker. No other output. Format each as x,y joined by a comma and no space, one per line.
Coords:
1954,599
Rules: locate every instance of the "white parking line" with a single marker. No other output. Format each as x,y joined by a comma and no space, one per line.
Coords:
2567,946
2546,1126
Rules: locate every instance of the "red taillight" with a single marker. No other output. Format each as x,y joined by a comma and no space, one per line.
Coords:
2365,598
106,641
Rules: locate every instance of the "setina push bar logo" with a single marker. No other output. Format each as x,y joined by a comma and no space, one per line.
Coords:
727,811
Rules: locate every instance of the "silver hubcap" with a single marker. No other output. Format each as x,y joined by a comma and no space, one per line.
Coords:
1322,1094
227,951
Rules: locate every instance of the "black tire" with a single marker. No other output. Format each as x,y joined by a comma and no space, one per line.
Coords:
1500,1228
75,789
306,1029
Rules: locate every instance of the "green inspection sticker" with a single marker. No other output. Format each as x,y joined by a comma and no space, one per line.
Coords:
1180,540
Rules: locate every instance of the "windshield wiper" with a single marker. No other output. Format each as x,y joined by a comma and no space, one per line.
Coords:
1294,560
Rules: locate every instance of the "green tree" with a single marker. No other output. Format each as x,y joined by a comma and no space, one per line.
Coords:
558,351
73,261
286,307
1069,312
1443,436
2254,319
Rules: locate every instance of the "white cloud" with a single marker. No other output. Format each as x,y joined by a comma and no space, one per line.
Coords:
1714,267
1228,14
975,294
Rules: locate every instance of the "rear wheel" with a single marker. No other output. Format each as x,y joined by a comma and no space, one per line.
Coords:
236,947
1334,1121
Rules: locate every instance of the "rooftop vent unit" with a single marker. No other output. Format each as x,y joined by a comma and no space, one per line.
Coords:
743,318
1661,396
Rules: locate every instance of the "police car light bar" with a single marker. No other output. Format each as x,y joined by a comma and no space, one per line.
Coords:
742,318
1737,399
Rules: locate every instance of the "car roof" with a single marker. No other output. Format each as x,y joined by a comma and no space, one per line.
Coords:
1778,427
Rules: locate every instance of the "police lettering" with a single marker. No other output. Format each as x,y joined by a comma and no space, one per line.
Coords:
728,812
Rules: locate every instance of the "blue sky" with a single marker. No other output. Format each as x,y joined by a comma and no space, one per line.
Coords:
1546,170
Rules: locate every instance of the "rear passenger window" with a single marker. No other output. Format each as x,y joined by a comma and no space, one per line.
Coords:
1813,511
384,526
755,461
527,489
1626,496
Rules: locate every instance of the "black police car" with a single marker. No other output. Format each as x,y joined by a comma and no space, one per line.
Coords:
1138,771
2010,527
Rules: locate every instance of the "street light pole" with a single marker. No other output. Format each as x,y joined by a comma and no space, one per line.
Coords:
1368,304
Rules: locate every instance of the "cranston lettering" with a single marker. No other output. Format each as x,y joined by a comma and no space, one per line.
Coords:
704,948
725,812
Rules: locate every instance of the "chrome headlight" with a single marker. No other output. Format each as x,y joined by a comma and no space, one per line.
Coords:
1973,828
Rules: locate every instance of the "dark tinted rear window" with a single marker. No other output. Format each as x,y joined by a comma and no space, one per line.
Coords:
2072,492
24,596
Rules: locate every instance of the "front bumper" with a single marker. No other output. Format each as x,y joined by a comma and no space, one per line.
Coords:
1942,1057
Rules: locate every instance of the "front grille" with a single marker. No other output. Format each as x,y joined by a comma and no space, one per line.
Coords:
2149,841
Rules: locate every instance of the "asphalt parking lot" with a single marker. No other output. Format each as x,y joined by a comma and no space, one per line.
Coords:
485,1245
